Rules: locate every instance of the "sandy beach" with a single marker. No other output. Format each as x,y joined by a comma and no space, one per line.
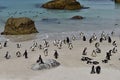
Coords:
71,67
102,15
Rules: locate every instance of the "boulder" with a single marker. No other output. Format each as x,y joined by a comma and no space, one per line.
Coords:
62,4
77,17
48,63
117,1
19,26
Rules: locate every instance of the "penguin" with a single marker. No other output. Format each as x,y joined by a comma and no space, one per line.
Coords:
45,51
93,70
101,39
73,38
25,54
7,55
93,53
109,39
84,38
67,39
56,54
98,69
108,55
0,46
5,44
18,54
114,43
40,59
90,40
97,44
98,50
114,50
84,51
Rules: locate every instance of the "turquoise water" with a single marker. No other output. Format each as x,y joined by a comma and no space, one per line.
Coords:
102,15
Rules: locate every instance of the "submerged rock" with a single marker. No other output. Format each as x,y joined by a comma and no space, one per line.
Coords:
49,63
62,4
2,7
77,17
51,20
18,26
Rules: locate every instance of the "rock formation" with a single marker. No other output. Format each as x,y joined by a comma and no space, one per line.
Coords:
19,26
117,1
49,63
62,4
77,17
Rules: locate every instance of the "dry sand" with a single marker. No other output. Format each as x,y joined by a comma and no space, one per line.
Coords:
71,68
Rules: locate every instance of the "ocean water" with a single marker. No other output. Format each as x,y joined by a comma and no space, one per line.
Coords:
103,15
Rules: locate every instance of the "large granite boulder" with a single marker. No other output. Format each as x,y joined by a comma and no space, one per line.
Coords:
62,4
48,63
18,26
117,1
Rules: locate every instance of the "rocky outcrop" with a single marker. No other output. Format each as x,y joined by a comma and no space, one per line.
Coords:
49,63
77,17
62,4
117,1
19,26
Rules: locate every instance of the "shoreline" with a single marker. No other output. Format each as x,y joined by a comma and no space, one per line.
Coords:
55,35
